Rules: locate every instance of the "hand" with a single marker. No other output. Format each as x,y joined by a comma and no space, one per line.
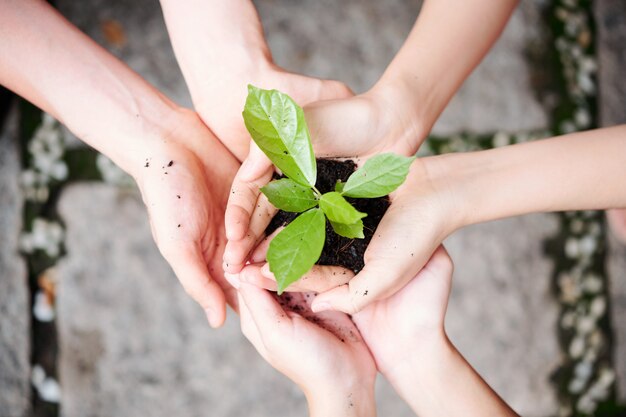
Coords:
184,184
406,336
220,104
422,213
221,48
368,124
323,354
397,327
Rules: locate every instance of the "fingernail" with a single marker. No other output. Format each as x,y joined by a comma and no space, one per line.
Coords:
233,279
321,306
210,316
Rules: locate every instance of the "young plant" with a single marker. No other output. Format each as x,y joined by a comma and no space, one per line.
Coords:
277,125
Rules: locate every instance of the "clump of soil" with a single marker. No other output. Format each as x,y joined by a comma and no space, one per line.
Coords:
339,250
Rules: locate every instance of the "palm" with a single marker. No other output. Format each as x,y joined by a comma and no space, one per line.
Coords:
185,190
290,340
417,309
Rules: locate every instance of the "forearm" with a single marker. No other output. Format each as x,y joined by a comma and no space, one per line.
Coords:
215,42
580,171
52,64
435,380
448,41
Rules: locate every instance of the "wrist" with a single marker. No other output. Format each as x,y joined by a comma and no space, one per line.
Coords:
399,114
414,366
342,400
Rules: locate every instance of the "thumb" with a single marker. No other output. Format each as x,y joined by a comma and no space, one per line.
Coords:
255,165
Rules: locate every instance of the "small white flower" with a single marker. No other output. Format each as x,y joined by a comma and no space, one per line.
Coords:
587,245
592,284
47,387
582,118
501,139
42,309
576,385
585,325
586,404
585,82
597,307
572,248
577,347
567,126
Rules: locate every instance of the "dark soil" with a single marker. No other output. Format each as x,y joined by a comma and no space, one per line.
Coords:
339,250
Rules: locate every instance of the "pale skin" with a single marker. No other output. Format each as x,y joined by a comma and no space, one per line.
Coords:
580,171
406,339
394,116
220,48
118,113
326,358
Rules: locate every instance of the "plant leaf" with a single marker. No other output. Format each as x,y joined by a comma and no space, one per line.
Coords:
339,186
379,176
287,195
297,247
351,231
338,210
277,125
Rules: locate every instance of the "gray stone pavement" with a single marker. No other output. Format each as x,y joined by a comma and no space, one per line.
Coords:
501,314
14,302
617,275
611,18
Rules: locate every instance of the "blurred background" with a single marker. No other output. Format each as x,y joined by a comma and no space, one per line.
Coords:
93,322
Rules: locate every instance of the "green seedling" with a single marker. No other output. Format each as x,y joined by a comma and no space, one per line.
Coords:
277,125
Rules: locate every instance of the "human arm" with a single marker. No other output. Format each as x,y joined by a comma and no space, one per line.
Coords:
101,100
579,171
220,48
396,115
323,354
407,338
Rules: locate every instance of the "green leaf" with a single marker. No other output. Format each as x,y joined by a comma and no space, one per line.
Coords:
339,186
276,124
288,195
379,176
349,230
338,210
297,247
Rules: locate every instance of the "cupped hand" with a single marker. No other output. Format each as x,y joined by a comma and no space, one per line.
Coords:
421,215
394,328
184,182
323,354
220,103
358,127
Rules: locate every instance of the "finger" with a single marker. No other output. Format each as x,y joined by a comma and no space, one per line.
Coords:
248,327
259,254
320,278
439,263
237,252
189,265
332,89
254,173
268,316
